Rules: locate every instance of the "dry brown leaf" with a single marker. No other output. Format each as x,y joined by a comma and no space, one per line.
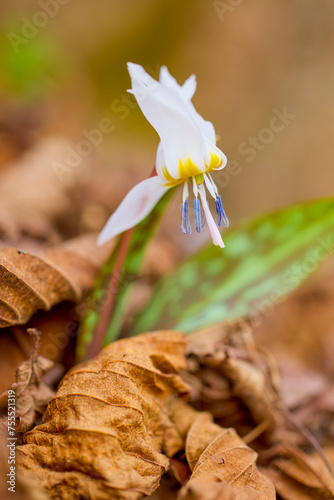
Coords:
32,197
204,488
103,433
183,416
180,470
25,487
31,282
310,396
202,432
31,394
298,476
250,384
58,329
168,488
239,381
219,455
223,466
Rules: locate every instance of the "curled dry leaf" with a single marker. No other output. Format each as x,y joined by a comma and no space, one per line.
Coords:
58,329
250,384
104,432
218,455
236,376
201,433
204,488
31,282
31,393
298,476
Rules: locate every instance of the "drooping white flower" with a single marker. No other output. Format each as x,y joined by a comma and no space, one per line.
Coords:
187,153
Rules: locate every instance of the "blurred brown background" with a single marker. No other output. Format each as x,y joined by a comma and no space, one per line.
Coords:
63,71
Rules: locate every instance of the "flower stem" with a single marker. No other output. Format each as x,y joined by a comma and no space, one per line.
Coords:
94,348
111,294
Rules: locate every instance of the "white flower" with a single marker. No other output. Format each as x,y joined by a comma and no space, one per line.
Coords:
187,153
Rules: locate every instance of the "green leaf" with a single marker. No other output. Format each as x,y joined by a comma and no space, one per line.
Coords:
265,258
139,241
131,265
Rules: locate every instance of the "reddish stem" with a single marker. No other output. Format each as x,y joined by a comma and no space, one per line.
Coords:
94,348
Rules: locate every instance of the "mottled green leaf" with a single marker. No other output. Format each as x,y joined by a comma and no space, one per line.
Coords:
265,258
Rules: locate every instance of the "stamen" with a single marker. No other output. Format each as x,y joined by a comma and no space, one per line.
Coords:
182,225
209,186
203,218
214,185
195,188
186,218
185,192
185,224
197,209
221,212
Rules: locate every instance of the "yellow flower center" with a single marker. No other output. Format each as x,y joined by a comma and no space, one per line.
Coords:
187,169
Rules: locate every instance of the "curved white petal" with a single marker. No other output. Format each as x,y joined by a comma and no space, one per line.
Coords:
204,126
167,112
189,87
217,152
143,84
136,205
167,79
188,142
187,91
160,161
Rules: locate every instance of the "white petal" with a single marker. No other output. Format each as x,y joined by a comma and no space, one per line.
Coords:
160,161
167,79
218,152
167,112
215,234
189,87
185,136
139,77
195,187
206,127
186,91
185,194
136,205
143,84
210,186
